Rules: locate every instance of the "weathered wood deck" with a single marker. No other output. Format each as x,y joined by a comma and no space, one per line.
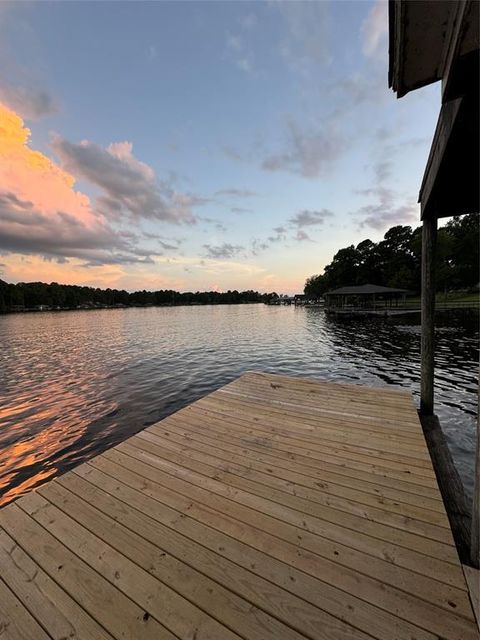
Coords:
275,508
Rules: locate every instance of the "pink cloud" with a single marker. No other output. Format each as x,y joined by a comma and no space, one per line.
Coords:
34,178
41,212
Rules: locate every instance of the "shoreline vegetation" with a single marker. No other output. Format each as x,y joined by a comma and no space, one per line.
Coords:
395,261
39,296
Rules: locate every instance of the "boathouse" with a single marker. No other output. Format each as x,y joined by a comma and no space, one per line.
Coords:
364,297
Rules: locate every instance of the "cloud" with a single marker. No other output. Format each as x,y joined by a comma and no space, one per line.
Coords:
249,21
225,251
258,246
383,170
362,88
296,224
237,193
384,210
31,104
385,206
152,52
234,42
240,210
219,226
168,246
239,52
41,212
309,153
59,235
305,44
232,153
302,236
280,234
375,29
308,218
245,64
129,186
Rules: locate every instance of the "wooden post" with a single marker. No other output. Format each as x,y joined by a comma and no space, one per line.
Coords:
475,532
429,240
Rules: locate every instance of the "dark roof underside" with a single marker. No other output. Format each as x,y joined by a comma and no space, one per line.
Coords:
364,290
450,185
417,39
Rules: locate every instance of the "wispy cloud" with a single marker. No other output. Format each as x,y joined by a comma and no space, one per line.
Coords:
152,52
249,21
239,51
294,228
258,246
225,251
309,218
375,29
240,210
383,170
385,209
302,236
305,44
219,226
170,245
232,153
361,88
309,153
30,103
237,193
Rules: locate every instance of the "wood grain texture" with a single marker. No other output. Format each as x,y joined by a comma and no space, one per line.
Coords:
276,507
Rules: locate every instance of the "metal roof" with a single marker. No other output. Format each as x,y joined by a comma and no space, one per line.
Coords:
363,290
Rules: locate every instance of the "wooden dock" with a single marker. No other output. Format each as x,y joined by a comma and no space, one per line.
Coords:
275,508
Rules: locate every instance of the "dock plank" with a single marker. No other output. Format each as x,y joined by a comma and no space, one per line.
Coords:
275,507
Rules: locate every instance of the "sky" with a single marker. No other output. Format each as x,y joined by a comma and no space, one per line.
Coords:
200,145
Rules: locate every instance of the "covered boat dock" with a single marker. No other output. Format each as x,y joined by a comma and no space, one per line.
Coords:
363,298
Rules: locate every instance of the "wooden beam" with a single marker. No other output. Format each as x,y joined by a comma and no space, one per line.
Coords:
450,484
462,42
452,41
441,138
429,241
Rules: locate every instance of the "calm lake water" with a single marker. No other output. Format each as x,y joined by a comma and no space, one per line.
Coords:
74,383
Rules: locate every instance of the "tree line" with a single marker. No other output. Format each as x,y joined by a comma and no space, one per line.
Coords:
35,295
395,261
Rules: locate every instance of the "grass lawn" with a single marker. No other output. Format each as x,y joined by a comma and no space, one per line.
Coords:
452,296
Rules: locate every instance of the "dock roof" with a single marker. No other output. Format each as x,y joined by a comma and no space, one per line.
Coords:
363,290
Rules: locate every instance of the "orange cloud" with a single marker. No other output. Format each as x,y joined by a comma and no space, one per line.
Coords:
33,177
42,214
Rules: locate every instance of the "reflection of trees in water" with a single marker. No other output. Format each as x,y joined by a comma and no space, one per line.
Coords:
389,348
365,349
376,336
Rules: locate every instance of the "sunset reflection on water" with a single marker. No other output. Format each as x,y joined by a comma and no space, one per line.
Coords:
74,383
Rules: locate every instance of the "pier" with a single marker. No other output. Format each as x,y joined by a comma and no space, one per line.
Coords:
274,508
400,310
